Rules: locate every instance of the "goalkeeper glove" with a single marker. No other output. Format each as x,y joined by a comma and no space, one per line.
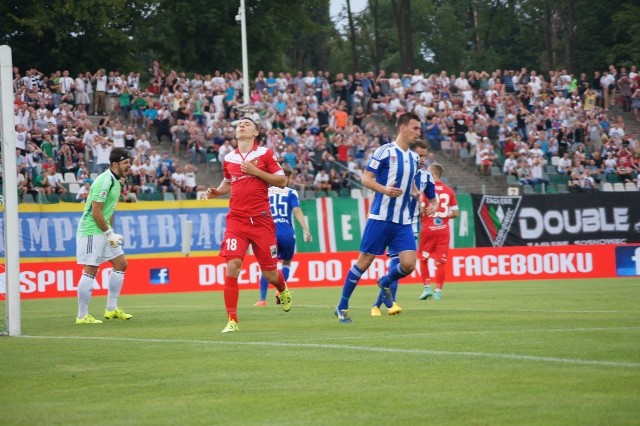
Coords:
115,240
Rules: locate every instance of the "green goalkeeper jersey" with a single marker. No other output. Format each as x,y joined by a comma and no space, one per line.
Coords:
105,189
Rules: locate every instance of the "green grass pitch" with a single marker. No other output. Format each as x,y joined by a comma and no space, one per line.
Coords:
527,353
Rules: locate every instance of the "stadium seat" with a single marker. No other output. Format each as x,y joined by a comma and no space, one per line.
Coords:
528,189
51,199
512,180
612,178
74,187
309,194
562,188
93,176
630,187
201,195
550,170
554,161
68,197
495,171
464,153
69,177
344,192
446,145
606,187
332,194
157,196
28,199
212,159
619,187
145,196
356,193
559,179
168,196
320,194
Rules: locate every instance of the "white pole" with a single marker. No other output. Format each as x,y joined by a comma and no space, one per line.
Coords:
10,182
187,230
245,58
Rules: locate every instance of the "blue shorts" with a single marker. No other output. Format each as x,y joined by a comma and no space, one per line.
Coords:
286,246
380,234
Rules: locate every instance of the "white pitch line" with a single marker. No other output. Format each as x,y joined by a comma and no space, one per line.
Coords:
517,357
454,333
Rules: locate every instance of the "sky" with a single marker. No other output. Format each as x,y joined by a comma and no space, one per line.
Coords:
337,5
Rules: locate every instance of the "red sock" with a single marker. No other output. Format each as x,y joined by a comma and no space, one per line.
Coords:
440,268
282,284
424,269
231,297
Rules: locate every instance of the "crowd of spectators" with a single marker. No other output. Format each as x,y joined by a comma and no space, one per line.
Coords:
515,120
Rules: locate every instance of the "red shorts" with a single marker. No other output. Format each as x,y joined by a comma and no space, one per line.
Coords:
434,245
259,232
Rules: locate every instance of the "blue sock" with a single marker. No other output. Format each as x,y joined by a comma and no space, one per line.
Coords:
394,289
285,272
393,286
350,283
395,274
264,284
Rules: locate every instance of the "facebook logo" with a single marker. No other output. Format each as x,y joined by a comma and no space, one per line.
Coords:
628,261
159,276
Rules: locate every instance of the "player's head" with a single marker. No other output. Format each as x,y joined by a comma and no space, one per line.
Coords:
120,162
246,128
436,170
409,126
420,148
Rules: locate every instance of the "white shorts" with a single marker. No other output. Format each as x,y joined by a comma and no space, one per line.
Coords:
94,250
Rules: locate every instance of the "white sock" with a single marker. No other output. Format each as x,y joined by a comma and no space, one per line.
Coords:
116,278
85,287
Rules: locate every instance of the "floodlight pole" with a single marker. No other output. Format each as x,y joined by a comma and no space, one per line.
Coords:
10,201
242,17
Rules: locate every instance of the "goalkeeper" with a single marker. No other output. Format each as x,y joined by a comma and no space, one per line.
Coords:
97,242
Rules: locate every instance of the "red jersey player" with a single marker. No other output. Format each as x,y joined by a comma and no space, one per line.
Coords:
434,235
248,172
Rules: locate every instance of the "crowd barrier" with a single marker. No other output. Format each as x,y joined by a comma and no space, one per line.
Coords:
495,238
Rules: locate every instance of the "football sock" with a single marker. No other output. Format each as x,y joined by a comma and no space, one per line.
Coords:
393,286
424,271
85,287
285,272
116,278
394,289
264,284
440,269
282,283
394,275
350,283
231,297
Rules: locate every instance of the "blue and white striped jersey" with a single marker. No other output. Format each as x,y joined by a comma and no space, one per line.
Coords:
391,164
425,184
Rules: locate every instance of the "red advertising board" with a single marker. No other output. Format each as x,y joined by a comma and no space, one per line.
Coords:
183,274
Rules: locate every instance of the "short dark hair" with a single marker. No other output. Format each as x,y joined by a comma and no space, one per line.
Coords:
406,118
118,154
419,143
